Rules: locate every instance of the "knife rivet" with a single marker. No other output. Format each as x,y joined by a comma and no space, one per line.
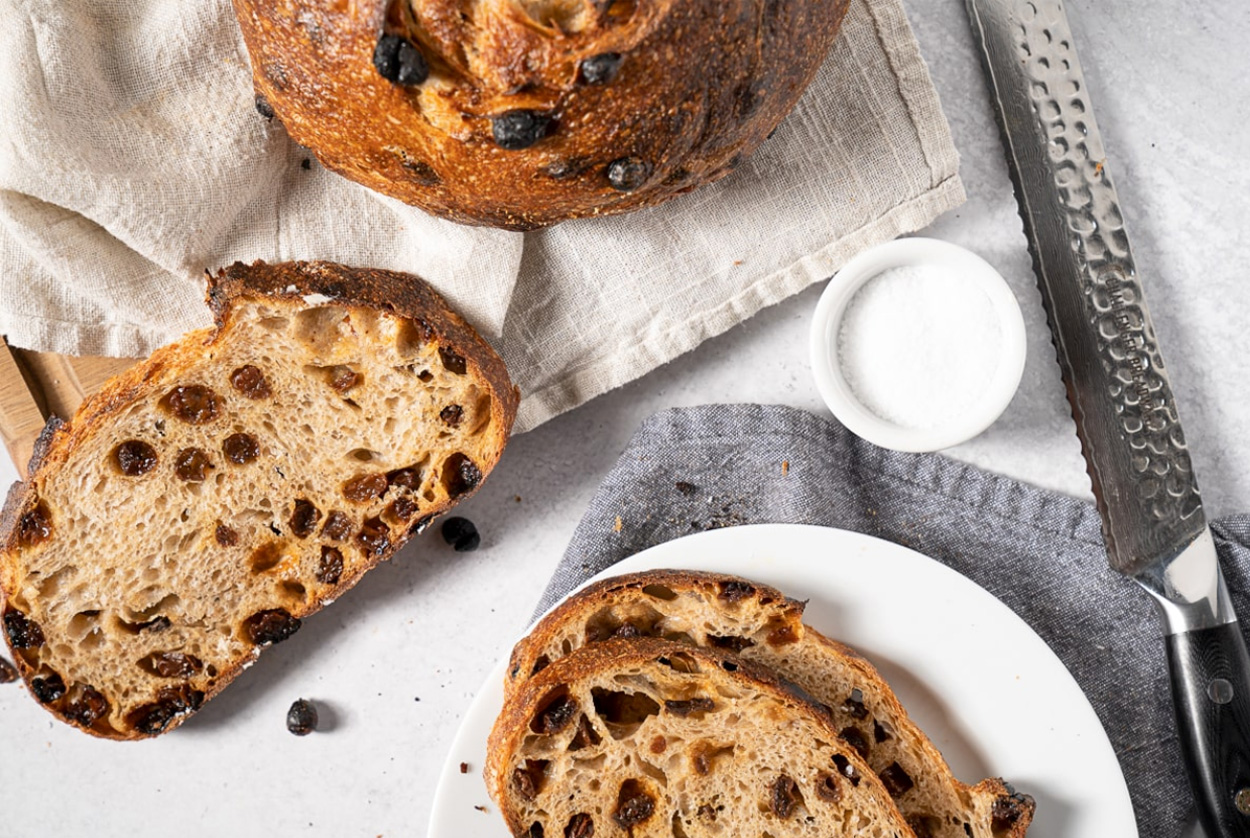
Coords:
1221,692
1242,801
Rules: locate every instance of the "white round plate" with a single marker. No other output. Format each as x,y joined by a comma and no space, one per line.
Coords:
988,691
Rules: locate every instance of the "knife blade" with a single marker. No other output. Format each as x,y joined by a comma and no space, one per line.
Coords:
1117,385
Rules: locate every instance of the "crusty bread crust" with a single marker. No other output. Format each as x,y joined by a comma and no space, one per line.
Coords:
703,608
698,85
236,292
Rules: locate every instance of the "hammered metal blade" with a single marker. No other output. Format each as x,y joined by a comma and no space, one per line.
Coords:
1117,385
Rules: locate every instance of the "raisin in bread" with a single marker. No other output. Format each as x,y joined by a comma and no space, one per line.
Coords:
524,113
653,738
208,499
761,624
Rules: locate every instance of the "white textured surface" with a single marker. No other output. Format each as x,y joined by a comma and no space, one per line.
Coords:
1170,95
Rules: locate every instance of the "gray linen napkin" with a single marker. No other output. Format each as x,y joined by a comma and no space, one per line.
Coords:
1039,552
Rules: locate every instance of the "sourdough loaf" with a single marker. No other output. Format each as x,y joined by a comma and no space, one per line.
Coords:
210,498
524,113
761,624
649,737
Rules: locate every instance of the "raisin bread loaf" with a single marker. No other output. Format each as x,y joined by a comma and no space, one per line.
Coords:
210,498
524,113
648,737
761,624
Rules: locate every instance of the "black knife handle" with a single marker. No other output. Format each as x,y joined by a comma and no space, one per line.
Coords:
1211,689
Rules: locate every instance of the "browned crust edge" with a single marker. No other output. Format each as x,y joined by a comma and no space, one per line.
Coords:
402,294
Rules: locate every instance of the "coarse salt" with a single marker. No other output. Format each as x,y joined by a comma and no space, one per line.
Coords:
918,345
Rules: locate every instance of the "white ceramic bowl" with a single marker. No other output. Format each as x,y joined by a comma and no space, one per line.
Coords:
826,365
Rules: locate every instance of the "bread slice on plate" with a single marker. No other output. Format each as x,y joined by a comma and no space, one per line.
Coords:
210,498
761,624
650,737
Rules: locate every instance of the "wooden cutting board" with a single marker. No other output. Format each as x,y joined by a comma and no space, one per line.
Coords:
37,385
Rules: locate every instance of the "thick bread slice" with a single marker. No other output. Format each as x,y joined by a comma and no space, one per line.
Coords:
763,625
654,738
209,498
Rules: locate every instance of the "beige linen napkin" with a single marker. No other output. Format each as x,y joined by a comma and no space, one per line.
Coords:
132,159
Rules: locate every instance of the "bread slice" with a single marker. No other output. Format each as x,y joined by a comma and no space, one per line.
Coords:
208,499
761,624
649,737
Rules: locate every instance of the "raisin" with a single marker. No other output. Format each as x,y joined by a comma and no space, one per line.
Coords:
658,745
374,538
250,381
586,735
170,704
194,404
782,636
23,633
453,361
331,567
846,769
633,805
528,778
827,788
734,590
628,173
343,378
627,630
1008,809
263,107
685,488
580,825
338,526
856,739
451,415
240,449
695,706
405,478
304,518
398,60
464,768
461,534
460,475
305,164
134,458
192,464
555,715
365,488
733,643
880,732
48,688
535,830
601,68
854,705
225,536
301,719
403,508
518,129
34,526
270,626
87,708
172,664
8,672
784,796
897,781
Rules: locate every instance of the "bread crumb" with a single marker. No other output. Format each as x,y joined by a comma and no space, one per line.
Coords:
517,498
617,526
785,467
480,808
737,262
464,768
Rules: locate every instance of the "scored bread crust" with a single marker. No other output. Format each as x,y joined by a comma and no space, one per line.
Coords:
705,609
398,307
699,85
675,730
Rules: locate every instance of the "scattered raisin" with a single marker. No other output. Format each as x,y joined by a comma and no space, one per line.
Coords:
8,672
398,60
192,464
270,626
827,788
460,475
580,825
365,488
785,794
403,508
897,781
555,715
87,708
343,378
880,732
240,449
451,415
225,536
735,590
172,664
374,538
301,719
194,404
331,567
48,688
685,488
453,361
338,526
601,68
628,173
461,534
856,739
405,478
518,129
305,164
633,805
464,768
1008,809
304,518
854,705
34,526
23,633
695,706
171,703
134,458
263,107
250,381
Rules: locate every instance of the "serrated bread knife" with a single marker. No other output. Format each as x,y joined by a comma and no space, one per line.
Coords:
1126,417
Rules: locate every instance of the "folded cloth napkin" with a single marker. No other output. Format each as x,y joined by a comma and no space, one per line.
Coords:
1040,553
132,160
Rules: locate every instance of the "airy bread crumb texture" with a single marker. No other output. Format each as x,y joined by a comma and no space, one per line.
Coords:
252,477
